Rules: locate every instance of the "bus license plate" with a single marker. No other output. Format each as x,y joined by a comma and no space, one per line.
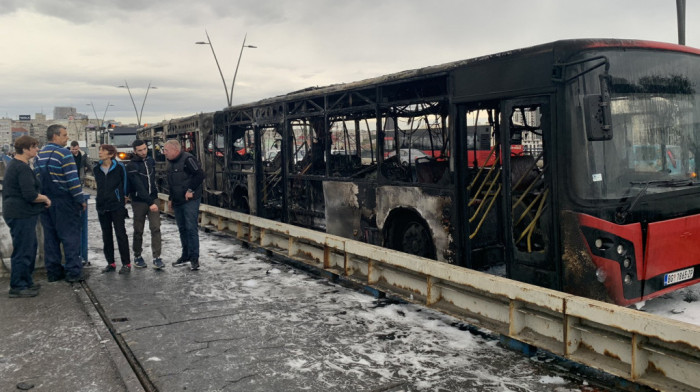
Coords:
678,276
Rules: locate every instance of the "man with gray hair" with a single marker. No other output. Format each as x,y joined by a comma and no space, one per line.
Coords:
185,178
62,223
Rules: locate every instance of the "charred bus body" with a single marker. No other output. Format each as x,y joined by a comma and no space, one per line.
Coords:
195,135
606,206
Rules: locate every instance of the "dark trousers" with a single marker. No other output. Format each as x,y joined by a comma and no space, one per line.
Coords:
187,219
141,211
23,232
62,225
109,219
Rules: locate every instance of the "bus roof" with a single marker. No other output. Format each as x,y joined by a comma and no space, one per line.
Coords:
561,50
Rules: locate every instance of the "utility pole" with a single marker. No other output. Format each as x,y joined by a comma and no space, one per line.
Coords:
680,11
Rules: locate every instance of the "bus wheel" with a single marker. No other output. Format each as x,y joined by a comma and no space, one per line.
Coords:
414,238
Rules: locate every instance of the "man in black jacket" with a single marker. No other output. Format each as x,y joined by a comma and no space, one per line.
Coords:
144,195
185,178
81,161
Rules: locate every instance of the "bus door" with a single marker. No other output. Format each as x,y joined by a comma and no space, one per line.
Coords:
527,205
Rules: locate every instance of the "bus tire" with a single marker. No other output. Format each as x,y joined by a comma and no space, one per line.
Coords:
411,235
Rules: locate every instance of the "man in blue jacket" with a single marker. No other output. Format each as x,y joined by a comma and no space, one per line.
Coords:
143,193
62,224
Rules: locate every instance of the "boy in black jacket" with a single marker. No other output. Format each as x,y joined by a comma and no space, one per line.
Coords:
111,180
144,195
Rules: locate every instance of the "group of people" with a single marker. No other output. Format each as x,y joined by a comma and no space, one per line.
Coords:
52,190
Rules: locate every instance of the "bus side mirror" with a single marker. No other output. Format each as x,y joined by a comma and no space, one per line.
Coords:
598,114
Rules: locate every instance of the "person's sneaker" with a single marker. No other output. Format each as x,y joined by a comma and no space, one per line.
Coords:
194,264
35,286
23,293
180,262
139,262
110,268
76,279
158,263
125,269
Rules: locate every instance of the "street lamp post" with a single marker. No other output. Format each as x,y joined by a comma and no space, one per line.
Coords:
138,114
99,126
239,63
229,96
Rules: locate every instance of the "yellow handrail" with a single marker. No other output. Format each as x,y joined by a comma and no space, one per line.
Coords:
488,192
486,213
531,227
493,149
529,188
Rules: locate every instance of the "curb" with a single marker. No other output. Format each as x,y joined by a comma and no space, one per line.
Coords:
107,340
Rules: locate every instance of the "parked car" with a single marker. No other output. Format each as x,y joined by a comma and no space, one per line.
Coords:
408,153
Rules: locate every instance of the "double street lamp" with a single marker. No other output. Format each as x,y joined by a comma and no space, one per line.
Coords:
99,126
229,96
138,114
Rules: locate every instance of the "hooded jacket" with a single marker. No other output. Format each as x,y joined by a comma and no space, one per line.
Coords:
111,187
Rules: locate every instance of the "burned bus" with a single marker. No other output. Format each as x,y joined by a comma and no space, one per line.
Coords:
585,180
195,135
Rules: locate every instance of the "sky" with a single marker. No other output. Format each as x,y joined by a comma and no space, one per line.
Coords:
76,52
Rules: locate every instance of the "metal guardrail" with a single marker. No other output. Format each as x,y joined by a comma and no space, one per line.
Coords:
646,349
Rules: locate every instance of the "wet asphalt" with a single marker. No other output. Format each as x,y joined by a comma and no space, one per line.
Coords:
244,322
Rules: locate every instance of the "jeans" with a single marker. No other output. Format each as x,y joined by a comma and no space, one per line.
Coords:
62,225
23,232
141,211
109,219
187,218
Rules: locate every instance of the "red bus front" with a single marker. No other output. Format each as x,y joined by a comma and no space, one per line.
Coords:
630,200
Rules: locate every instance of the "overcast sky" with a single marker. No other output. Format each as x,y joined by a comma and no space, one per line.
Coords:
74,52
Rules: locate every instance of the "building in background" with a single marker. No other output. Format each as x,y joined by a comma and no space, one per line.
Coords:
5,133
35,128
19,131
64,113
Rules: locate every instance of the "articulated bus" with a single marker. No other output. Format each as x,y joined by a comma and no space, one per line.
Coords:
194,134
584,181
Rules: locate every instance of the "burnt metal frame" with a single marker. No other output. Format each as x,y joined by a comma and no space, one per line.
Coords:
525,271
368,101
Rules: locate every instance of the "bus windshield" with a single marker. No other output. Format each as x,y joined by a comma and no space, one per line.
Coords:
123,140
655,125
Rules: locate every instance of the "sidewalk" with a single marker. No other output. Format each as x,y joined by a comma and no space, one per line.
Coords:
57,342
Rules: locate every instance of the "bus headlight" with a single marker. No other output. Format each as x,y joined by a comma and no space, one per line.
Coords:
604,243
620,250
627,262
628,279
600,275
